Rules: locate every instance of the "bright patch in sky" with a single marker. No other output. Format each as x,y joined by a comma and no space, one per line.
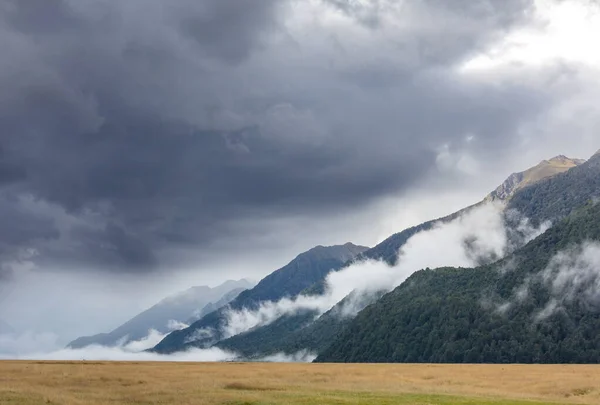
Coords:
561,32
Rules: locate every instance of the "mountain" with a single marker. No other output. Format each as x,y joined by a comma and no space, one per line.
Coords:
213,306
542,187
302,272
289,281
556,197
179,308
513,185
301,331
541,305
293,333
544,170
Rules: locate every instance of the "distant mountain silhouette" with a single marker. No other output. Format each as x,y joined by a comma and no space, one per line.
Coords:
289,281
180,308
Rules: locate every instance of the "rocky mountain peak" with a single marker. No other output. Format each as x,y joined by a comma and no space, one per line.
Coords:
564,160
544,170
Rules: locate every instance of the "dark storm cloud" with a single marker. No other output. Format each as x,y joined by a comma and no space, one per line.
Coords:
152,124
21,230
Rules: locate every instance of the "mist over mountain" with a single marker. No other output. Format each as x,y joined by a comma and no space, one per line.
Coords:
169,314
525,256
287,282
314,329
305,330
434,311
539,305
388,249
213,306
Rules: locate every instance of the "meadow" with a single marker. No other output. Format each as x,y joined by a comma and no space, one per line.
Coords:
103,383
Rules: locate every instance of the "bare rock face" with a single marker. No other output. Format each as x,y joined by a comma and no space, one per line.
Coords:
545,169
508,188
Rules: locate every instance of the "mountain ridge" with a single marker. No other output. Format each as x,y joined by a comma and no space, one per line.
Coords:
286,336
387,250
288,281
441,316
178,307
539,172
541,186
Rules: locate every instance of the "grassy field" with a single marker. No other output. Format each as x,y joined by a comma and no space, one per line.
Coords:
66,383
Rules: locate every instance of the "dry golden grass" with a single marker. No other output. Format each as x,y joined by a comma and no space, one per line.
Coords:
103,383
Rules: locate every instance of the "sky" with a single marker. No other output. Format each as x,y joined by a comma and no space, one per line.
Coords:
148,146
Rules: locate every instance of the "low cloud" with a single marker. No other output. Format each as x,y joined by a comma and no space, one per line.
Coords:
519,295
44,346
303,356
570,275
12,345
102,353
148,342
573,274
176,325
32,345
477,236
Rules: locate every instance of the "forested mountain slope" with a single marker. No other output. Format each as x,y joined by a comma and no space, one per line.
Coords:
302,272
544,187
297,332
539,305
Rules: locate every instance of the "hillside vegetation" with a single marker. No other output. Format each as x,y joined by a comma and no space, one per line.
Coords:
546,193
508,312
297,332
558,196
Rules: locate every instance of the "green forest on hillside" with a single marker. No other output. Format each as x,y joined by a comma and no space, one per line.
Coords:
460,315
444,315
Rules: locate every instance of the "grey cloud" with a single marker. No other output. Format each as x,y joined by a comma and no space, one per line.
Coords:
228,29
439,31
167,122
22,231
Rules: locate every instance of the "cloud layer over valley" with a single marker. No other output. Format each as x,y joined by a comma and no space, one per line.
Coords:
45,347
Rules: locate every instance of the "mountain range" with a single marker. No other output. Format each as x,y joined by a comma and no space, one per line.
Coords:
534,300
288,282
169,314
301,332
535,305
